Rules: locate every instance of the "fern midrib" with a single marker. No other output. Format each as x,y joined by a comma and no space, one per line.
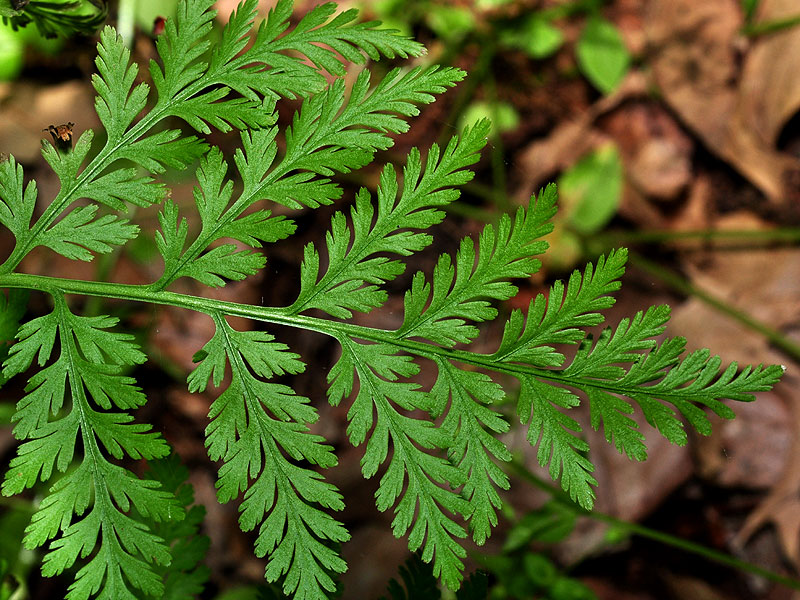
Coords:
268,437
81,404
335,329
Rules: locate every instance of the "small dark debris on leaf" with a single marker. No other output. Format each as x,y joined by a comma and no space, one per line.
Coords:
62,135
158,26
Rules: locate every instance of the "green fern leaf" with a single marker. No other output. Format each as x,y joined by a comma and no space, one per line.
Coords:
90,360
181,46
352,263
16,205
555,432
438,449
415,473
76,236
319,42
116,188
163,149
473,425
256,425
440,312
118,103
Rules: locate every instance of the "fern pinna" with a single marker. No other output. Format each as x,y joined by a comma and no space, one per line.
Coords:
441,475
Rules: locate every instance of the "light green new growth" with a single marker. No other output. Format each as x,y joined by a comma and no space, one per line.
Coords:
441,475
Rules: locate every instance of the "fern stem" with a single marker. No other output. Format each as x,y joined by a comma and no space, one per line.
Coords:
653,534
677,282
768,27
281,316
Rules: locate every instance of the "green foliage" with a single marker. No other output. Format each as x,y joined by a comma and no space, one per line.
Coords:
591,190
602,55
535,35
437,449
550,524
55,17
600,50
522,573
183,577
12,309
418,583
749,8
503,115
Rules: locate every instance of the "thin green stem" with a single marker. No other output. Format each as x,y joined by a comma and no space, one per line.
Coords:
497,149
335,329
468,88
773,26
655,535
748,237
680,284
126,21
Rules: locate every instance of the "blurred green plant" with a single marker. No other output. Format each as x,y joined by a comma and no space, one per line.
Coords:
146,15
749,8
185,577
54,18
12,309
15,561
13,44
600,51
755,28
417,582
534,34
502,115
590,192
602,55
520,571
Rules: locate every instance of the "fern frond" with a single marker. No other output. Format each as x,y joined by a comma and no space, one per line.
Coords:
624,363
328,135
472,425
88,368
416,475
439,449
354,273
258,428
320,42
440,312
